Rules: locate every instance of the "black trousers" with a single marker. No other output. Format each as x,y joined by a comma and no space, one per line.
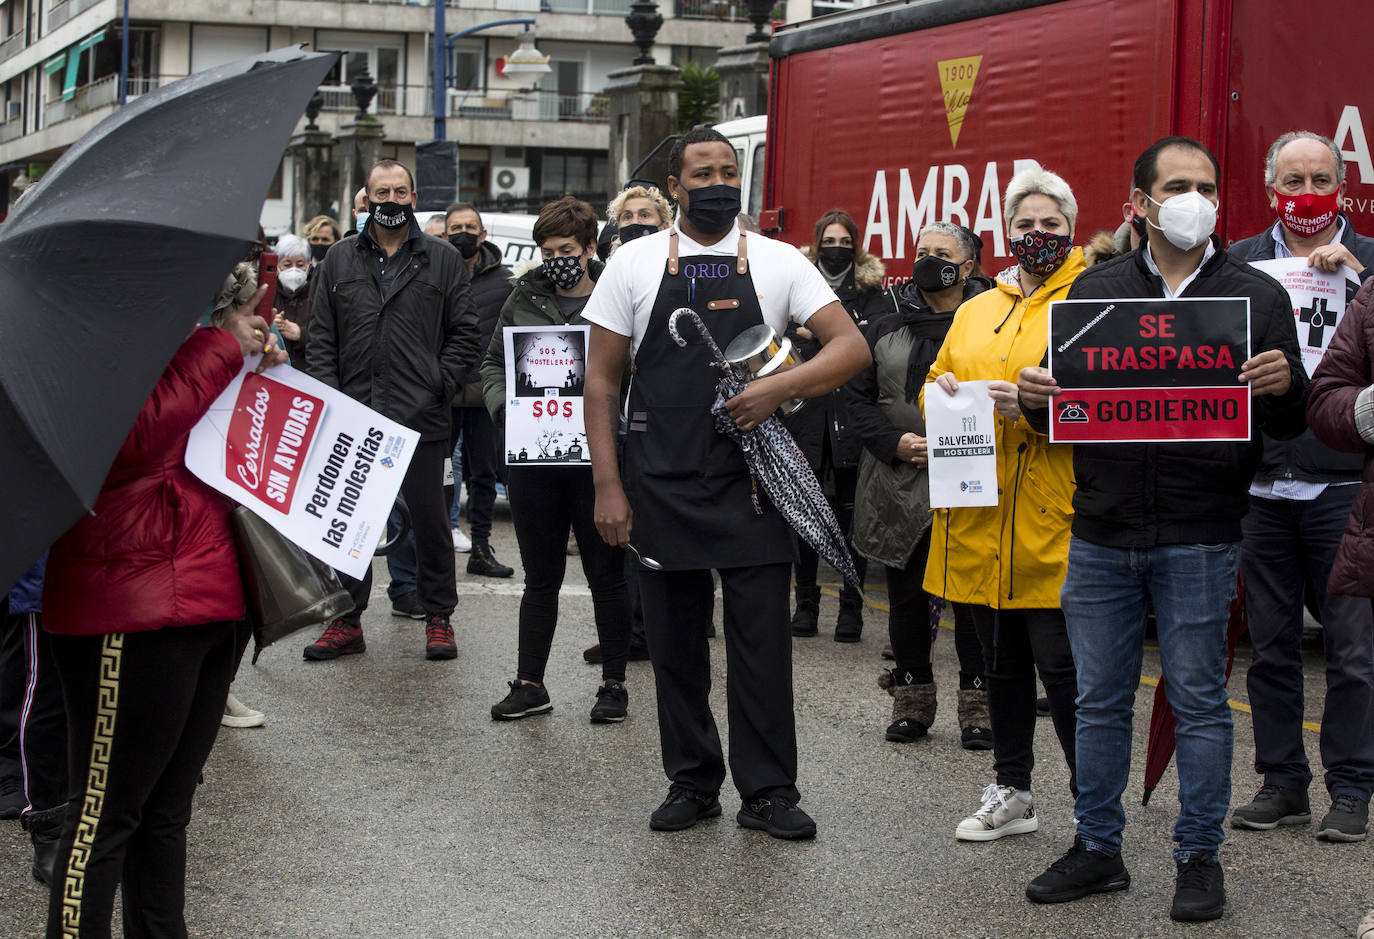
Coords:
808,562
436,578
544,502
143,710
758,679
33,720
911,624
1286,545
480,467
1017,643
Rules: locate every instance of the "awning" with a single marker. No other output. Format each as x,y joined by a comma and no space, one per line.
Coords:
74,63
55,63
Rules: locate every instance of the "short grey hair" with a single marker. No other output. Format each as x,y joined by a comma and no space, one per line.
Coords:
292,246
1040,182
967,247
1271,159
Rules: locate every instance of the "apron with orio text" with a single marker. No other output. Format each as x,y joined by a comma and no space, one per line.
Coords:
689,488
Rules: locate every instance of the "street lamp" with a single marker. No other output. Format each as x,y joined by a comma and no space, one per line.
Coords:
525,60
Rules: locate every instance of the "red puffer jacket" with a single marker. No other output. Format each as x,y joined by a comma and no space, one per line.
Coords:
1346,369
158,550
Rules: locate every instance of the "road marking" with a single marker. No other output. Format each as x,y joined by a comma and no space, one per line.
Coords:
831,590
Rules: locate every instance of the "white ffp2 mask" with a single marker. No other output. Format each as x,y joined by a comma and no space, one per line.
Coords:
1187,219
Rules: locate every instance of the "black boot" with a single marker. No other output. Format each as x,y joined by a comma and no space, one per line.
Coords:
806,620
45,831
482,561
849,626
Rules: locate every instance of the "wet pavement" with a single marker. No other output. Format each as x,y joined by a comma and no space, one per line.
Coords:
380,799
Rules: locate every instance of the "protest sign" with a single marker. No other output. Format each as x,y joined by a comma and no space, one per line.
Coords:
1318,300
545,375
961,443
319,467
1149,371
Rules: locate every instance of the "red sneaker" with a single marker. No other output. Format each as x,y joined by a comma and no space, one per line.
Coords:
439,641
341,638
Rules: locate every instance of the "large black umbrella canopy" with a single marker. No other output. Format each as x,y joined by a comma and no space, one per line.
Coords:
107,263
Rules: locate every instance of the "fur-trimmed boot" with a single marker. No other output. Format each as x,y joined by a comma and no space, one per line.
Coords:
975,725
45,831
913,705
849,626
806,619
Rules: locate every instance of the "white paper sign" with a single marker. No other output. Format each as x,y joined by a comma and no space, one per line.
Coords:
1318,302
319,467
961,439
546,370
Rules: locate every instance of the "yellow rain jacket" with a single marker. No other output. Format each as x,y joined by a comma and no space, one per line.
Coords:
1012,555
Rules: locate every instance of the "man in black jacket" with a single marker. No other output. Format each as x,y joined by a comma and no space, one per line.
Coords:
392,326
1299,504
1160,524
491,285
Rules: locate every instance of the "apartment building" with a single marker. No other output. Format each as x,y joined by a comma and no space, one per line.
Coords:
519,143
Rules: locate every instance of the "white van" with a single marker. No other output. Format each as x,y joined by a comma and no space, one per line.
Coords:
747,135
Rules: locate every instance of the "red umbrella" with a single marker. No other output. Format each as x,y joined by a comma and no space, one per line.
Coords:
1160,748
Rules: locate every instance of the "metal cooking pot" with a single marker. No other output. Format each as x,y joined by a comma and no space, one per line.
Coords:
759,351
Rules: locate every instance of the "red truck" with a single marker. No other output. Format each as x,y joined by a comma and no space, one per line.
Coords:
910,112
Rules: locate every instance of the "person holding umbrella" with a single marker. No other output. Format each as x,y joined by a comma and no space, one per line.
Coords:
687,499
144,600
1002,565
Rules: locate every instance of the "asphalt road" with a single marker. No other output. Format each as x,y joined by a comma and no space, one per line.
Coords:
381,800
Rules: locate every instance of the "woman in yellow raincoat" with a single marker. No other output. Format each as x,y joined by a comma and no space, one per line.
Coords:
1001,566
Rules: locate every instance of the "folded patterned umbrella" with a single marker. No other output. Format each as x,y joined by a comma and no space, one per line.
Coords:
776,462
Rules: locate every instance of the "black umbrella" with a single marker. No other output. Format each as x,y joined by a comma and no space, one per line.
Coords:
777,462
107,263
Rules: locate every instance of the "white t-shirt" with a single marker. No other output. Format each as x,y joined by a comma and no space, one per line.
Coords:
789,287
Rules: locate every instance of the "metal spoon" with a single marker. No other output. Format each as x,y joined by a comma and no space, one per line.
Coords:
650,563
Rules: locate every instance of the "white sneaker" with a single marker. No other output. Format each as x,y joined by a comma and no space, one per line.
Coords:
461,543
1367,926
1003,812
236,714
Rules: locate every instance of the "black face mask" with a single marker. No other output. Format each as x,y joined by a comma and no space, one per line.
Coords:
466,243
317,252
934,274
637,230
835,259
712,210
392,215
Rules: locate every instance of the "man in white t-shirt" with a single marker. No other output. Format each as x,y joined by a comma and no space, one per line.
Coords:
686,501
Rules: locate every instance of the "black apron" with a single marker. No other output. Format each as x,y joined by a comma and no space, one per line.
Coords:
689,488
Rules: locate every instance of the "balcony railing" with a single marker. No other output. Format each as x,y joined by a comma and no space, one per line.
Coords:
12,46
415,101
726,10
63,10
12,129
97,94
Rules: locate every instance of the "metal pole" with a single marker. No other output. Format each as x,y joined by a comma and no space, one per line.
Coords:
124,59
440,71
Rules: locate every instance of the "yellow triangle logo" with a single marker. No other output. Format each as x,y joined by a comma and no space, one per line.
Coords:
956,78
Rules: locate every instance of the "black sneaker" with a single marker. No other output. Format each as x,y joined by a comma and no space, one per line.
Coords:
12,799
612,701
1199,893
439,640
1077,874
524,700
976,738
779,817
1273,806
407,606
1348,820
341,638
482,561
683,808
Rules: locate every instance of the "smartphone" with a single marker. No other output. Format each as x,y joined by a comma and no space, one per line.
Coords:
267,276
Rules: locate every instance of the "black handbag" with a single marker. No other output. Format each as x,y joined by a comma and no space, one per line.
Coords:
286,588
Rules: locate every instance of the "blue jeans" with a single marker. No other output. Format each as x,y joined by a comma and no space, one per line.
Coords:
1105,597
400,563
